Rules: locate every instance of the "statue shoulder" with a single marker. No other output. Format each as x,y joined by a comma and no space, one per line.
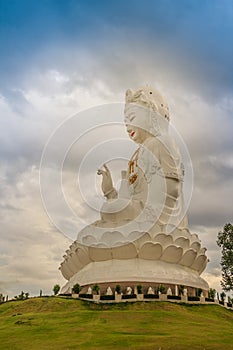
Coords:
152,144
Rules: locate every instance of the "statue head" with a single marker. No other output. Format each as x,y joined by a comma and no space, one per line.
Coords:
146,114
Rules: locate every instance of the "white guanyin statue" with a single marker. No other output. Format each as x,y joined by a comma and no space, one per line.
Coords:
142,235
153,181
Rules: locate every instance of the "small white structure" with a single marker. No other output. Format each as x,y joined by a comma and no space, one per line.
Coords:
169,291
150,291
129,290
109,291
89,290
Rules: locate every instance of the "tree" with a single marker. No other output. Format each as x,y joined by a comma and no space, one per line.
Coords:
212,293
76,288
223,296
56,289
225,241
22,296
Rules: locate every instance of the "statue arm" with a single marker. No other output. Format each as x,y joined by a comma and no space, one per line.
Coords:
107,185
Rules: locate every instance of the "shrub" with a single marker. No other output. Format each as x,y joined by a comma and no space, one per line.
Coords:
161,289
76,288
96,288
139,289
118,289
56,289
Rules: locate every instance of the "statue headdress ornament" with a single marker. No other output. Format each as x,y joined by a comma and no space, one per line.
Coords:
149,98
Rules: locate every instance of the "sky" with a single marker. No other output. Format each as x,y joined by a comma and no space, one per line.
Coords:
65,66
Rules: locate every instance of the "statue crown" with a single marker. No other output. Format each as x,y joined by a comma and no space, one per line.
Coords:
149,98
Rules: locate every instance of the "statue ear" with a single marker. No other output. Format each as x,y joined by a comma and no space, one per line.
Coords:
154,129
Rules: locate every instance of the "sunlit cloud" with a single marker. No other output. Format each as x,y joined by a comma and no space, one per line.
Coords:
60,78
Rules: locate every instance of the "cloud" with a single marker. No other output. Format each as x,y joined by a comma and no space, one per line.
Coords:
68,81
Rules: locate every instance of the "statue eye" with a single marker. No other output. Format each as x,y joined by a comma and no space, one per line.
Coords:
131,118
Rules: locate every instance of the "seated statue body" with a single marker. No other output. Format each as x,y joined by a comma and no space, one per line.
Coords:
151,190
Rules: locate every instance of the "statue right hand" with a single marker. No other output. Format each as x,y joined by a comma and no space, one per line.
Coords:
107,184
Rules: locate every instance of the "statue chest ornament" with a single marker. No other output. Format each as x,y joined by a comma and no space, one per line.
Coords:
133,168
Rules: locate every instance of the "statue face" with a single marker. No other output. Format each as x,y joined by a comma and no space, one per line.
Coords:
137,122
136,134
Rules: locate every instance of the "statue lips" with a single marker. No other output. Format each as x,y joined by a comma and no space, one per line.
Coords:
132,133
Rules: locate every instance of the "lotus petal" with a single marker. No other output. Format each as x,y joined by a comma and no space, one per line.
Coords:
172,254
135,235
204,266
99,245
111,237
202,251
150,251
83,255
127,251
120,243
196,246
181,233
70,264
200,263
182,242
142,237
194,238
164,239
89,240
66,272
188,258
75,260
74,245
100,254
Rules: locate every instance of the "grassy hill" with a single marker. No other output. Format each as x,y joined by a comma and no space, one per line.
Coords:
58,323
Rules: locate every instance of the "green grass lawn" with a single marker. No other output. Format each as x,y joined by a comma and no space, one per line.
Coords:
59,323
